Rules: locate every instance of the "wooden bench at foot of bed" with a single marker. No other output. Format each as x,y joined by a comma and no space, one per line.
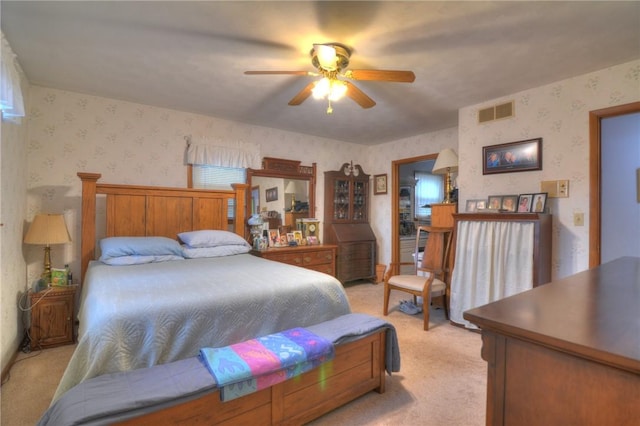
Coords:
358,368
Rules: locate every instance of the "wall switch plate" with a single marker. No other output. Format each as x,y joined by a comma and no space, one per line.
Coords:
555,188
578,219
563,189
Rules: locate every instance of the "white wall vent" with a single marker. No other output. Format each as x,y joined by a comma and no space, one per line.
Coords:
496,112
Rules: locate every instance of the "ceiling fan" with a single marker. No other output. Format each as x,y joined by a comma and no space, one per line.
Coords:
331,59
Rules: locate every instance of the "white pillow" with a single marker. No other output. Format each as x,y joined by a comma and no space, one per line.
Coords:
228,250
138,260
211,238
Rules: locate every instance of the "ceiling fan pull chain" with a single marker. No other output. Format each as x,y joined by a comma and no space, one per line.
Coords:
329,108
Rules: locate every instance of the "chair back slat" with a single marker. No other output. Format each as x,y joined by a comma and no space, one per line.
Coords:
434,258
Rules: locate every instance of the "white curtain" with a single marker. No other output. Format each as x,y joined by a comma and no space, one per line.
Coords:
429,190
235,154
11,102
493,260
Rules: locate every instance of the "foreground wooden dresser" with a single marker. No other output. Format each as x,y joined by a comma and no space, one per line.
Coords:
566,353
320,258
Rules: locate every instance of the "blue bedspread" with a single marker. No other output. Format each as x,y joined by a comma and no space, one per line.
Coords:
139,316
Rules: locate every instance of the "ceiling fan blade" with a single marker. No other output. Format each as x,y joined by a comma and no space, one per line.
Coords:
305,73
359,96
381,75
302,95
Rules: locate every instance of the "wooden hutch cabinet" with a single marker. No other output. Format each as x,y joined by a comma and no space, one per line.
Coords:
52,317
346,218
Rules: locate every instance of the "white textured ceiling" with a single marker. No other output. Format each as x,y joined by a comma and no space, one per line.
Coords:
191,55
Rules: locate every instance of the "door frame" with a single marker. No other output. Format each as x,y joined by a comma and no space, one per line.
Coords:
395,206
595,171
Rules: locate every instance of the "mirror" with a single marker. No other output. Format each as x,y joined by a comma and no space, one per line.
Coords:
284,189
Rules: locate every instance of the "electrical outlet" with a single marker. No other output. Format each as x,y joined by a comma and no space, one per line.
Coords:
578,219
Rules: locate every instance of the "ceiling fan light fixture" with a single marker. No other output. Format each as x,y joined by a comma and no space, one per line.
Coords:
326,56
337,90
332,89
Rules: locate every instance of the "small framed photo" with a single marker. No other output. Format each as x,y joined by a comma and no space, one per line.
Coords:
271,194
495,202
509,203
297,237
539,202
380,184
524,203
475,205
274,238
520,156
290,239
312,240
471,206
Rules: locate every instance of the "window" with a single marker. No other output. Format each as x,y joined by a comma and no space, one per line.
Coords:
215,177
429,190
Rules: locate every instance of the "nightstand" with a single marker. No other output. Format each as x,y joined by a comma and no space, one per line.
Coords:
320,258
52,317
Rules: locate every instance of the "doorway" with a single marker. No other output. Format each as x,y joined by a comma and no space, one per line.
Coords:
396,183
595,177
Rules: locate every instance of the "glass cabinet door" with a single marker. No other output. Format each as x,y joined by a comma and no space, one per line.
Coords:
359,200
341,199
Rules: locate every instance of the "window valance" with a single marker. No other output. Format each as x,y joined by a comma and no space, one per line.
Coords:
11,101
236,154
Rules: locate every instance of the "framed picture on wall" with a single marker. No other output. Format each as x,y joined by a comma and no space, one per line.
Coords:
271,194
520,156
380,184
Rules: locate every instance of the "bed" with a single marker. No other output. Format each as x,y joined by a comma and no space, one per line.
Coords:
122,329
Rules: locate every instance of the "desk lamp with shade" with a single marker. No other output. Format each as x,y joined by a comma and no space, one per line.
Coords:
446,163
291,189
47,229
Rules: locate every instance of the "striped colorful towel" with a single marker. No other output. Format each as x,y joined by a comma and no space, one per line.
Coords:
256,364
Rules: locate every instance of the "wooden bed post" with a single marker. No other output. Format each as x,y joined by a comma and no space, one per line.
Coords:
88,240
240,208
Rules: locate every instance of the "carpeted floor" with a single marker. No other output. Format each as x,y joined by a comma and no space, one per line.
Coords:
442,379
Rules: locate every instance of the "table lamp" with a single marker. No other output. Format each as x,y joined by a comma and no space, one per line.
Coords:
446,163
47,229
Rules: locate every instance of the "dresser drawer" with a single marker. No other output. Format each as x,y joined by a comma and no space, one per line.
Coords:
357,251
318,258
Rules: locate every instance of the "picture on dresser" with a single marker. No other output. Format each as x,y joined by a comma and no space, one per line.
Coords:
495,202
524,203
509,203
539,202
274,237
475,205
312,241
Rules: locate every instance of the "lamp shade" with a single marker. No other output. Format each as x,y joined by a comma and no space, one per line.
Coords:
446,162
48,229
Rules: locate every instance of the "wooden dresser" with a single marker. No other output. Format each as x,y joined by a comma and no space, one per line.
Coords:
320,258
565,353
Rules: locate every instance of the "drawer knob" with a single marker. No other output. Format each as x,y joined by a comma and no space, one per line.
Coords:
307,259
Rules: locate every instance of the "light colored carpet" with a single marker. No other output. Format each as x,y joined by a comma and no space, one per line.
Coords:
442,379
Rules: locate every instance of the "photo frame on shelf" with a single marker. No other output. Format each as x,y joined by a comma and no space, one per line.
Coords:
509,203
524,203
520,156
495,202
274,238
271,194
539,202
380,184
473,206
297,237
290,239
312,240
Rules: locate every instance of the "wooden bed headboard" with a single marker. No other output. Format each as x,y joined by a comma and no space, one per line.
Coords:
134,210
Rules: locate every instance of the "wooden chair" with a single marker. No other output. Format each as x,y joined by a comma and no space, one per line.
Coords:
428,281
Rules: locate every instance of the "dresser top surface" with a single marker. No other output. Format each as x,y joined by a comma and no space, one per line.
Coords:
594,314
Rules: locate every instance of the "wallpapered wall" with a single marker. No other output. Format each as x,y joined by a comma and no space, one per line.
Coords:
559,113
134,144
